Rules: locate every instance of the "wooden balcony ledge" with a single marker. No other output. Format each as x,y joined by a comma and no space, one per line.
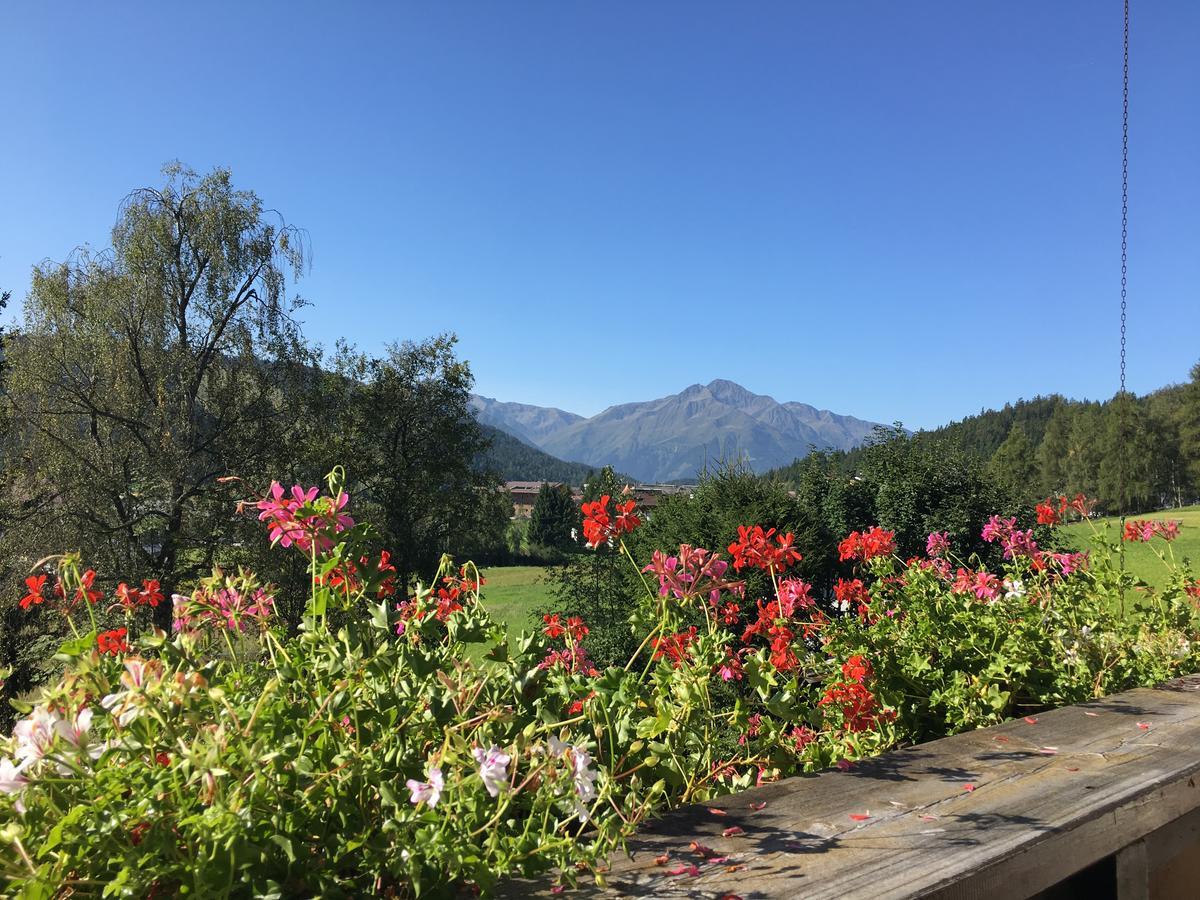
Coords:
1091,801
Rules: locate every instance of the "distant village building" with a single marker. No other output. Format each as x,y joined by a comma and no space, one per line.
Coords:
523,494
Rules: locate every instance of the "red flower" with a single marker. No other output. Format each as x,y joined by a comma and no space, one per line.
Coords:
35,584
151,593
553,627
1047,514
782,656
857,668
599,527
162,758
675,647
596,521
126,596
577,629
627,520
754,548
447,603
855,592
873,542
857,705
85,589
112,642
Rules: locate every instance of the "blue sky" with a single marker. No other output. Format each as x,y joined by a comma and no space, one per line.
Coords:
896,211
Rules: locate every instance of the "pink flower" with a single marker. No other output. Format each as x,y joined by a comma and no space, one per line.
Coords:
997,527
282,515
427,791
937,544
987,586
493,768
731,668
695,572
1071,562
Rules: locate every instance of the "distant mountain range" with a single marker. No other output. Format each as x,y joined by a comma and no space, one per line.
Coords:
675,437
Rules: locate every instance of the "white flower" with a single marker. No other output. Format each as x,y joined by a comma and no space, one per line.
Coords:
35,735
139,674
428,791
583,774
493,766
1013,589
574,535
12,777
74,731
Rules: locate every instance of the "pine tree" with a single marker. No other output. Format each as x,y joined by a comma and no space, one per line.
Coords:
553,518
1053,452
1014,466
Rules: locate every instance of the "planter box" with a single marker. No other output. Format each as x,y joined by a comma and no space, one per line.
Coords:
1091,801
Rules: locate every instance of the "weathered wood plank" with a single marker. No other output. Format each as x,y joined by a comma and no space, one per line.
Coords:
1003,812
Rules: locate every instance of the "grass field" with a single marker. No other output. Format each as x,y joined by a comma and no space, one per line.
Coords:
511,593
1140,559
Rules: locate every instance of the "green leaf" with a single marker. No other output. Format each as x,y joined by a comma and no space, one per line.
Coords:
285,844
78,646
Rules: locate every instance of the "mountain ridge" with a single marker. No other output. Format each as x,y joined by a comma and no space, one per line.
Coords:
676,436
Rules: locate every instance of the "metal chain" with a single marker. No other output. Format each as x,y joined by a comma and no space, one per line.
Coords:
1121,449
1124,193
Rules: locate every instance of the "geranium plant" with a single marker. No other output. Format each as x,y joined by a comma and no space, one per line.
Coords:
415,749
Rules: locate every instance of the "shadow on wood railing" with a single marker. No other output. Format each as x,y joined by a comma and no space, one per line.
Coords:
1090,801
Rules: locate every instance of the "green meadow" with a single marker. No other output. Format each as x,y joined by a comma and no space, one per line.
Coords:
1141,559
511,593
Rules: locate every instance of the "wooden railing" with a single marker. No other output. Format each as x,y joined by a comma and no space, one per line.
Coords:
1097,800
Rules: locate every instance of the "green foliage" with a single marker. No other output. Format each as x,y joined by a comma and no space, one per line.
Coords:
406,426
910,484
554,522
1129,453
151,382
514,460
418,749
1014,466
144,374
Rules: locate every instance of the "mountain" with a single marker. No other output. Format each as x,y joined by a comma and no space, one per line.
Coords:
531,424
674,437
515,460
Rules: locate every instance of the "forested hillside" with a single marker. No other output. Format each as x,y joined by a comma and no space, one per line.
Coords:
514,460
1130,453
